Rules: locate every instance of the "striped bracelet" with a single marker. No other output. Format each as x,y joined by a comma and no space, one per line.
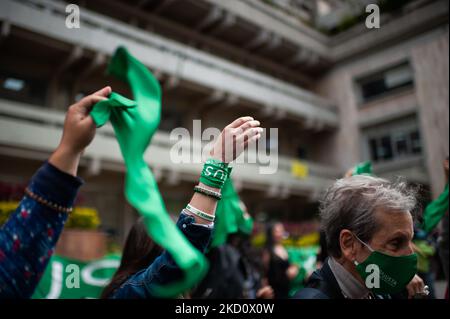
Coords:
47,203
199,213
207,192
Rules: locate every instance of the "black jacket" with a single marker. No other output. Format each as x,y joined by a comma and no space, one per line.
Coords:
323,285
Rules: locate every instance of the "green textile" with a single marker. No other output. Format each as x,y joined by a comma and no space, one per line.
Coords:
134,125
435,211
305,258
215,173
66,278
363,168
424,253
230,216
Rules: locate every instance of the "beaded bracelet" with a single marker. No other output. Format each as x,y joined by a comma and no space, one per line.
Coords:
200,214
47,203
208,192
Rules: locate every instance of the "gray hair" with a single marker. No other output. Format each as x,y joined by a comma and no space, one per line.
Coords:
350,203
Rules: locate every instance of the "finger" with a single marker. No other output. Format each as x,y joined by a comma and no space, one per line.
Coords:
85,105
238,122
89,121
106,91
251,140
421,286
247,125
410,291
248,133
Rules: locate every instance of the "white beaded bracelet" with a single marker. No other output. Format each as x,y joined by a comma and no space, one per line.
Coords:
200,214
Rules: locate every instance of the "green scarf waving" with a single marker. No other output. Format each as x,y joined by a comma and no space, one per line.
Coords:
435,211
230,216
134,124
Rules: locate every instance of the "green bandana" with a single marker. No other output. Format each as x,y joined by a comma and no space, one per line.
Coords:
134,124
435,211
363,168
230,216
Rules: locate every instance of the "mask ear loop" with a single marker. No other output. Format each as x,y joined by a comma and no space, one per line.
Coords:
368,247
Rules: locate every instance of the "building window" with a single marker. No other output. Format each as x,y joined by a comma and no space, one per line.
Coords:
394,145
22,89
416,147
384,83
170,120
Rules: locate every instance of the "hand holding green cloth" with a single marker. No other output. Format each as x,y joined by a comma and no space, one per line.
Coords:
134,124
230,216
435,211
362,168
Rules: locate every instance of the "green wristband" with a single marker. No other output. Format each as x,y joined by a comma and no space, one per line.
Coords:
215,173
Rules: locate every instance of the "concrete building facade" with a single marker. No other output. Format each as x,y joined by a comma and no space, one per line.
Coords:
361,94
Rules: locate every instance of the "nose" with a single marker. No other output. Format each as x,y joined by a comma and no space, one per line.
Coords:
409,249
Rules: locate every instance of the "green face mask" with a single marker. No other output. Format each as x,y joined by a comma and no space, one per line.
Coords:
386,274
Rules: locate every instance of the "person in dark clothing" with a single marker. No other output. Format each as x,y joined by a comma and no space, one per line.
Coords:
279,271
234,273
368,226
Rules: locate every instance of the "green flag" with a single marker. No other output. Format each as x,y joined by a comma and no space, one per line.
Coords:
230,216
134,124
363,168
435,211
66,278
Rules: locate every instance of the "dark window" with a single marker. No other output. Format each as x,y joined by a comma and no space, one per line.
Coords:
386,147
385,82
22,89
169,120
395,145
373,149
302,153
416,147
401,144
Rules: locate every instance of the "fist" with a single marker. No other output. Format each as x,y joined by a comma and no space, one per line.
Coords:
79,128
265,292
415,287
234,138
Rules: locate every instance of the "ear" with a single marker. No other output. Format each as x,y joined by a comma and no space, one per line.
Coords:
347,244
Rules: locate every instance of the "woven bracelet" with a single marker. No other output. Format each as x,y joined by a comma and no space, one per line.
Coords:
208,192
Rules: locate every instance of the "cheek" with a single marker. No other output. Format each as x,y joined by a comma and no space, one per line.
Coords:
362,254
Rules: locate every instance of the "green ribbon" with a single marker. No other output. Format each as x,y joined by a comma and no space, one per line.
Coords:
230,216
435,211
363,168
134,124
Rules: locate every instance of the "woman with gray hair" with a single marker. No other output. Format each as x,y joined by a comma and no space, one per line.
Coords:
368,224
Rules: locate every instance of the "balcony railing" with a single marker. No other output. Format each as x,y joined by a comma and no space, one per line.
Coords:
170,57
33,128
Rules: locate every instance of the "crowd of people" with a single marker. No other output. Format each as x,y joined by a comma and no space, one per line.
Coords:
374,248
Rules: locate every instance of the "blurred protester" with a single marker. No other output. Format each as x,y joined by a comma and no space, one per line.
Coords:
279,271
138,253
322,254
436,211
425,250
368,224
235,269
29,236
444,237
235,272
